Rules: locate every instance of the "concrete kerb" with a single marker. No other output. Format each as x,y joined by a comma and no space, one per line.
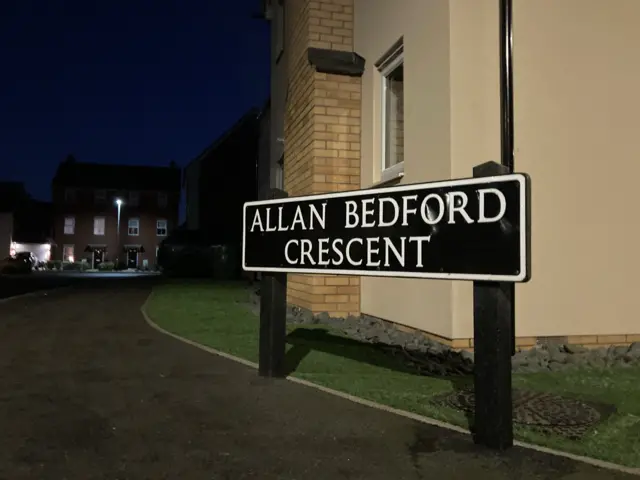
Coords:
33,294
385,408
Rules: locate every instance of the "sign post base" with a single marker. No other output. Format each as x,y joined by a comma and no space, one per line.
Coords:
493,419
273,324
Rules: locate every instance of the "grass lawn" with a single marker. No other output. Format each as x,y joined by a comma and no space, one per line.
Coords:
216,315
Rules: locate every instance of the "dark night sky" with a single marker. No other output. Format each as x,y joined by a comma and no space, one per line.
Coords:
124,81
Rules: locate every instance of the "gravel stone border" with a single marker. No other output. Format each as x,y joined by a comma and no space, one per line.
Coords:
435,358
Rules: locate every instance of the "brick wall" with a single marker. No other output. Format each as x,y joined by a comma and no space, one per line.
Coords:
322,134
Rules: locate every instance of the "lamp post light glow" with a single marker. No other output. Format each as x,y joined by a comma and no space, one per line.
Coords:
119,205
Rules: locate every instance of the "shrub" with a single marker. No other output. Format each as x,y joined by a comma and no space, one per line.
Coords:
106,266
54,264
69,266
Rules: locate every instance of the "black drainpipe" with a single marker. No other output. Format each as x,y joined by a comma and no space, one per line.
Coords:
506,120
506,83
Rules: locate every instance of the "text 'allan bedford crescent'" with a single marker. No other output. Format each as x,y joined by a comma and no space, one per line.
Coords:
369,213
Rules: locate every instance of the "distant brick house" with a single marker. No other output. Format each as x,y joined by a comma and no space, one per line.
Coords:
90,202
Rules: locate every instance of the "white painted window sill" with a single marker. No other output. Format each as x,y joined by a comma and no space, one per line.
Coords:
389,177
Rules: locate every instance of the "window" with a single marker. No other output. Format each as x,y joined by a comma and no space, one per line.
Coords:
134,199
279,30
134,227
100,196
67,253
98,225
392,121
162,199
70,195
161,228
69,225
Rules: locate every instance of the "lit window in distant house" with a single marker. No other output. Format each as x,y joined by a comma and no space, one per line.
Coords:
392,113
98,225
134,199
69,225
100,196
67,253
162,199
70,195
134,227
161,228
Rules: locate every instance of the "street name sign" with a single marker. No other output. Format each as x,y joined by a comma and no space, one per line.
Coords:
466,229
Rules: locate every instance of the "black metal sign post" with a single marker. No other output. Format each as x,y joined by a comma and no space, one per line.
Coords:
273,311
273,315
492,342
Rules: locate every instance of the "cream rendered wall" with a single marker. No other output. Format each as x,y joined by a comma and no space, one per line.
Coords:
577,122
475,113
576,126
378,24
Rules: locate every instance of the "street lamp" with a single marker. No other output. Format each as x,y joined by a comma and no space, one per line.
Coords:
119,205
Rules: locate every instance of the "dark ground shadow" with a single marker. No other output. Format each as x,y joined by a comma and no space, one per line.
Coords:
304,340
446,364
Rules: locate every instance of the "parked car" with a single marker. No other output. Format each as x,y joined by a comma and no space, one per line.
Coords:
15,265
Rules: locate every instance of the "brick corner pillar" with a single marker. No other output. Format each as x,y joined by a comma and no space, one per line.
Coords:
322,130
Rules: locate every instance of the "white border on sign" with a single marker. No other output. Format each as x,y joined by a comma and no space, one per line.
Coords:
519,177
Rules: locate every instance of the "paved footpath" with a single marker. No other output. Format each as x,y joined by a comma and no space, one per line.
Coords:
89,391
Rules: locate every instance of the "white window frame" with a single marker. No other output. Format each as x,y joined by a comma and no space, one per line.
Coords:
100,195
393,60
133,227
134,198
96,230
163,199
165,228
68,258
69,227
